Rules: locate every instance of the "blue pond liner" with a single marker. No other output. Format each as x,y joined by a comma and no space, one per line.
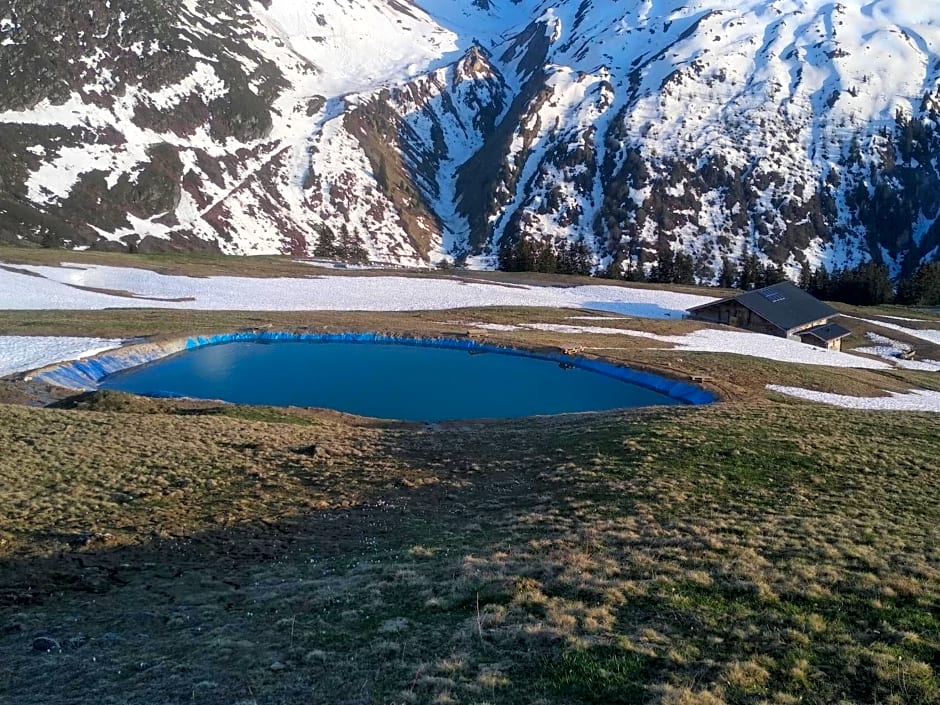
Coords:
87,374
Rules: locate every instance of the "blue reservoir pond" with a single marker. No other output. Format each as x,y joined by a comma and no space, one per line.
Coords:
390,381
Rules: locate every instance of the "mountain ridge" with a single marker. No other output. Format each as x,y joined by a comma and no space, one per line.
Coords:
409,133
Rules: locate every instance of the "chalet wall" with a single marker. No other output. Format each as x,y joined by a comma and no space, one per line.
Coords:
732,313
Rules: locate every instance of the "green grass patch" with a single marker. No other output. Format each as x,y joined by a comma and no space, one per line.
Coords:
601,674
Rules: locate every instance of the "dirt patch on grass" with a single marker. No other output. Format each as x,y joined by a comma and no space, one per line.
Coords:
128,294
17,270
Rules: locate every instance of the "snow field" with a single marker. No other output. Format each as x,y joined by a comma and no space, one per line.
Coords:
339,38
20,353
57,290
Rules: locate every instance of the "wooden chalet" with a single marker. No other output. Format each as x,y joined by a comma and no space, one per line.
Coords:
783,310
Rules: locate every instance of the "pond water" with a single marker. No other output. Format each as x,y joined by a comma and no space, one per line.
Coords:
391,381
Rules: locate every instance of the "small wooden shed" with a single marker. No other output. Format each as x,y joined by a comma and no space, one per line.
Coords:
827,336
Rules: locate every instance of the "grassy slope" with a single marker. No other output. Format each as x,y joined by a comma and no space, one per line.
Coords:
757,553
762,552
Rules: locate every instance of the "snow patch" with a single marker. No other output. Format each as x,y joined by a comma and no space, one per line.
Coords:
720,341
915,400
893,350
203,81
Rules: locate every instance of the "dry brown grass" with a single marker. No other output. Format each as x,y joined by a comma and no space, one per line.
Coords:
928,317
188,264
747,554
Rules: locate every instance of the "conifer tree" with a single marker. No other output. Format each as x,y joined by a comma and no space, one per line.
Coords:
806,276
683,269
582,258
773,274
729,274
820,287
923,287
545,260
326,243
665,268
634,272
751,271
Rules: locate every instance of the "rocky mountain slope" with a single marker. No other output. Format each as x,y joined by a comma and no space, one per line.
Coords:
406,132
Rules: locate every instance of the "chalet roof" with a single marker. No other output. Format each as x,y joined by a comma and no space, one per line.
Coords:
828,332
785,305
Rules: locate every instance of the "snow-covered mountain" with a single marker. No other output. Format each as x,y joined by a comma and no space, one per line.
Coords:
406,131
